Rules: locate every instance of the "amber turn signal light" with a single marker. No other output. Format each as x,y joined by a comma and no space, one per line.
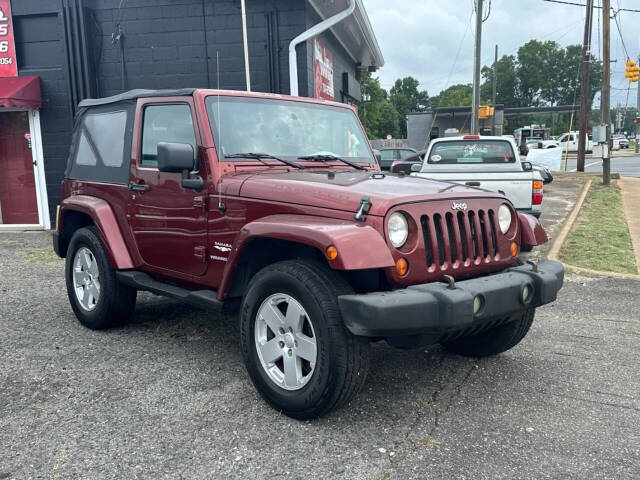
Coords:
514,249
331,252
402,267
537,185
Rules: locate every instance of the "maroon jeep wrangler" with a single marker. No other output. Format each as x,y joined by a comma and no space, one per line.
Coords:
275,205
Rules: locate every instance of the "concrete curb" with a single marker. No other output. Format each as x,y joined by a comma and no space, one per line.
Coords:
630,193
564,233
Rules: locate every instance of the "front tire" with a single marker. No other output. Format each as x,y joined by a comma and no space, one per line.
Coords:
494,341
296,349
97,298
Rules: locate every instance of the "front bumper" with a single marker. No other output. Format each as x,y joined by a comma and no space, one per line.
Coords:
55,237
437,310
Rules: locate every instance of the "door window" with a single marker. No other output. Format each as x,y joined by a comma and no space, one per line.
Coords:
388,155
165,123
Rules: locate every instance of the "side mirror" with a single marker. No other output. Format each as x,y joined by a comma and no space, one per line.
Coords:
416,167
527,167
179,158
378,155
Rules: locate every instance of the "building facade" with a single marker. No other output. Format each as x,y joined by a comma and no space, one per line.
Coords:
67,50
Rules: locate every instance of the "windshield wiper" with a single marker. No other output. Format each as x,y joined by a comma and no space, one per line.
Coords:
328,158
262,156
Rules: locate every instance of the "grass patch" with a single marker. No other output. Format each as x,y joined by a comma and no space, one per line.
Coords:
600,237
41,255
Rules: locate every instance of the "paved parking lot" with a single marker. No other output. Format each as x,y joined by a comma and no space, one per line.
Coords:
168,397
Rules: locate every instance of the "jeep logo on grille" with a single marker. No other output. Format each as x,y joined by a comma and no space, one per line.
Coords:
459,206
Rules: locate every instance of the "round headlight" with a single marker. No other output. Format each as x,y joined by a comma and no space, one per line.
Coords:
398,228
504,218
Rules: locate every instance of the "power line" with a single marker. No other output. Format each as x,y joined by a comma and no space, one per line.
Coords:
564,2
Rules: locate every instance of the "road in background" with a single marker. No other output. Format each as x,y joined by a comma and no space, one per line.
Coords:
628,166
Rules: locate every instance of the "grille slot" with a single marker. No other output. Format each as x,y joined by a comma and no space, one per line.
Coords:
428,247
437,220
459,237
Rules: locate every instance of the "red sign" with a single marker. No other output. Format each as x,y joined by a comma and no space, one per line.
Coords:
8,64
323,69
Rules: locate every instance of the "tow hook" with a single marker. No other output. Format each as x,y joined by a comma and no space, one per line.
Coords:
363,209
534,266
450,281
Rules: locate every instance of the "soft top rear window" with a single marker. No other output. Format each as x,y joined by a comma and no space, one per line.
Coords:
471,151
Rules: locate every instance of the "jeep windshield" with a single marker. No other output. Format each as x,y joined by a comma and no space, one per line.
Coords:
286,129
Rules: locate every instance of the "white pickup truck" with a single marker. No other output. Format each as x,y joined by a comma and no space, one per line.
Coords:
491,163
568,142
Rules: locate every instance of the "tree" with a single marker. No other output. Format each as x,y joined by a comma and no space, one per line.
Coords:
507,88
406,98
455,96
370,112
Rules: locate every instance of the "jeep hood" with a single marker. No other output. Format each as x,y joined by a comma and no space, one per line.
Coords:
344,189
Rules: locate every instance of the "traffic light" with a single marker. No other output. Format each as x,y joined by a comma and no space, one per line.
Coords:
632,71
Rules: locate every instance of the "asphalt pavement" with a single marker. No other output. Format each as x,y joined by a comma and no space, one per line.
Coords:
627,165
168,397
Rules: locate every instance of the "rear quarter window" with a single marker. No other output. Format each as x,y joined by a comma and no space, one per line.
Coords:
101,139
471,152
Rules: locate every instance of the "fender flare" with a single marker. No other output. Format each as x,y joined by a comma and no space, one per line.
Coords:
105,221
531,231
360,246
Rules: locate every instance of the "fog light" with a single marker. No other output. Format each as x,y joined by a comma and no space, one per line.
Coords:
402,267
526,294
331,252
478,302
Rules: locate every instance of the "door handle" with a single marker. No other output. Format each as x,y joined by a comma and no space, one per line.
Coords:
472,184
139,187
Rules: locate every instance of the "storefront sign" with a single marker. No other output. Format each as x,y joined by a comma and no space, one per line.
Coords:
323,69
8,64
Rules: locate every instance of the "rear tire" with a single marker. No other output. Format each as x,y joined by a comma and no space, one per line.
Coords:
337,366
97,298
494,341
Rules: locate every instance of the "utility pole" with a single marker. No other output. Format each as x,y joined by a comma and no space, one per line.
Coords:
475,107
494,93
584,86
605,97
635,124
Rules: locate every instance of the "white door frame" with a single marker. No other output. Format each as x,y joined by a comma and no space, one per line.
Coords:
37,157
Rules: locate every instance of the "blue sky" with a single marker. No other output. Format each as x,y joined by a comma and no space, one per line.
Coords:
432,40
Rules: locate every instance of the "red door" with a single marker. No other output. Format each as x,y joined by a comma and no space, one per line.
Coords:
168,221
18,202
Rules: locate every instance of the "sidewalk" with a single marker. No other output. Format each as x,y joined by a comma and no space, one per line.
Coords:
630,190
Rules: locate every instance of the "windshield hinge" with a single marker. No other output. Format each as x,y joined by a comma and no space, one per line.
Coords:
363,209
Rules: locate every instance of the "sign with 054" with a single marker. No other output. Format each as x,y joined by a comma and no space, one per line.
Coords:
8,64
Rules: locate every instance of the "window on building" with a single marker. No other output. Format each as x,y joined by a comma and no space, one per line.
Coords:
102,139
165,123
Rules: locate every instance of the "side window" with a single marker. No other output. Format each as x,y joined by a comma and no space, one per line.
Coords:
165,123
102,138
388,154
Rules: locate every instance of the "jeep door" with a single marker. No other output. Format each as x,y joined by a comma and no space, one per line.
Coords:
168,221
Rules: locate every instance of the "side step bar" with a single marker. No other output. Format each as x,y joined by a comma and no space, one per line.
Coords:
200,298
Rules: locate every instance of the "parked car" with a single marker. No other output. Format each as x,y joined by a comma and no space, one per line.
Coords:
390,155
545,173
490,163
539,143
405,166
619,142
569,142
191,194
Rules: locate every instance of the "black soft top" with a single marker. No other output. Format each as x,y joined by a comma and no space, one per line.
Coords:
135,94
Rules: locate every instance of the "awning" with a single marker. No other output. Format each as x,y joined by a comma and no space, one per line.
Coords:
20,92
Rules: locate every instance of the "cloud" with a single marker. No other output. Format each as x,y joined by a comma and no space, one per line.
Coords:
422,38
